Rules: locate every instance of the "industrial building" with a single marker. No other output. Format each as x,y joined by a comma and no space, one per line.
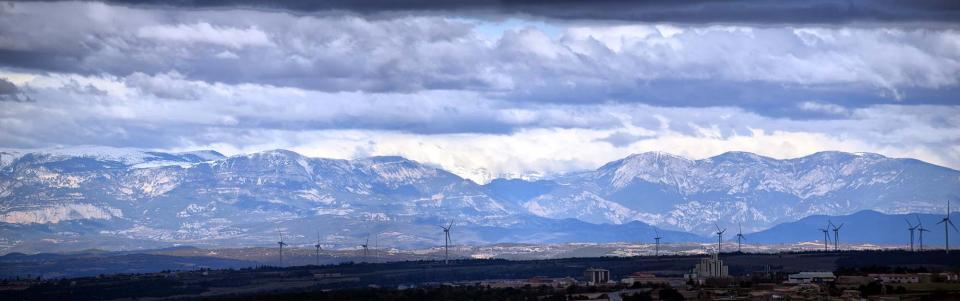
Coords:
811,277
643,279
596,276
708,268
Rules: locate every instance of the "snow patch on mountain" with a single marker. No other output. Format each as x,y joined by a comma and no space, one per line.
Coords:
585,206
8,156
654,167
195,210
316,196
398,170
58,180
58,213
127,156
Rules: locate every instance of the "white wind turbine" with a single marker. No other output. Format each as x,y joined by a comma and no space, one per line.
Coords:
446,242
911,228
318,247
364,246
946,230
920,229
719,239
836,235
740,236
657,238
281,243
826,238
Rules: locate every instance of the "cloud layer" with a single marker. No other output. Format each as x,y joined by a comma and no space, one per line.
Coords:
582,63
696,11
479,95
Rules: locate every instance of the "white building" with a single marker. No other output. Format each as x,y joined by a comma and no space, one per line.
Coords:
596,276
708,268
711,268
811,277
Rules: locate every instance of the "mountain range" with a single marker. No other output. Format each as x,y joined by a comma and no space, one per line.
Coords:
864,227
76,198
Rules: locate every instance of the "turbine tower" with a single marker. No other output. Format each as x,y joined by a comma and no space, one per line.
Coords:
947,223
719,240
364,246
318,247
281,243
836,236
446,243
920,229
657,238
911,228
740,236
826,238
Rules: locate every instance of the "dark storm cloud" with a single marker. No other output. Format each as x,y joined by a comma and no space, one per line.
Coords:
10,92
621,139
762,68
702,11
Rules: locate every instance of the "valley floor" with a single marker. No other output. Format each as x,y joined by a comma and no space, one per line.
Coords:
434,279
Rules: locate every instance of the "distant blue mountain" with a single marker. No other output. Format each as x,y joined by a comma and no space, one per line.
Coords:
862,227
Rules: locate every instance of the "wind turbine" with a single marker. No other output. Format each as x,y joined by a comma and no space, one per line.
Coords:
946,230
921,229
719,240
657,238
911,228
740,236
826,238
281,243
836,236
318,247
446,243
365,245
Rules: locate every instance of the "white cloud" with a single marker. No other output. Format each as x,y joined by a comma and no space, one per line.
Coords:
202,32
819,107
414,52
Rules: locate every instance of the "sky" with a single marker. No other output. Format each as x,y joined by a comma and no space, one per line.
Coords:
485,89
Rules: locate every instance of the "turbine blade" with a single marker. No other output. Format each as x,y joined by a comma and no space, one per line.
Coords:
908,222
